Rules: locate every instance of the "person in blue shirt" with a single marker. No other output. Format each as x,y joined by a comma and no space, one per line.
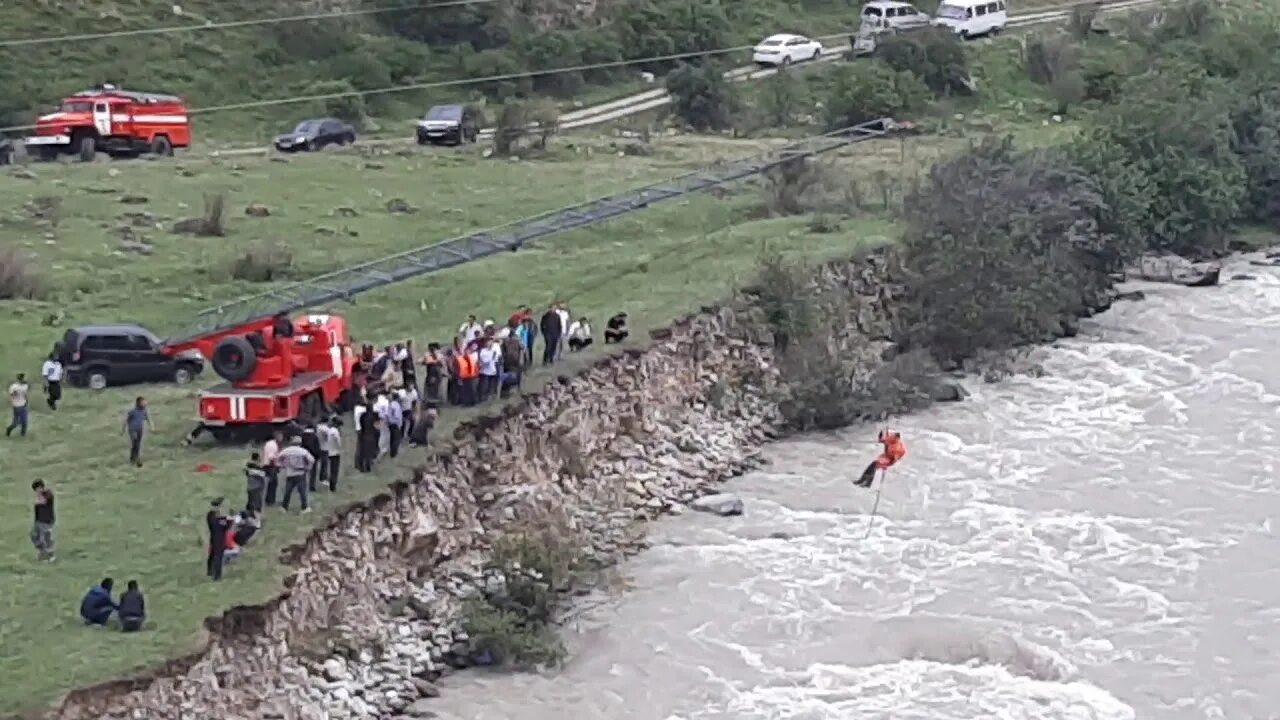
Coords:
136,421
97,605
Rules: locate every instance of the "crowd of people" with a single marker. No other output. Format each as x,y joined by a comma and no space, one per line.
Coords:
484,361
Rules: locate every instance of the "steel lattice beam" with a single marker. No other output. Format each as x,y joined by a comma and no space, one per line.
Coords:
345,284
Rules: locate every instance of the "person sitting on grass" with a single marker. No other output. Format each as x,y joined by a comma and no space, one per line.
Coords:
97,605
615,330
247,525
133,608
232,548
580,334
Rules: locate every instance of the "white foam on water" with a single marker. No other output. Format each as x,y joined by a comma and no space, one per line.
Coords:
917,690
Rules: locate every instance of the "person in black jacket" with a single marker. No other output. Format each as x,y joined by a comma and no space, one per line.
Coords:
615,331
97,605
311,443
255,482
552,328
132,608
218,523
367,439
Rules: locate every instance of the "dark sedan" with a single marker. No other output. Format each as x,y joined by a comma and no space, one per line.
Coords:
316,134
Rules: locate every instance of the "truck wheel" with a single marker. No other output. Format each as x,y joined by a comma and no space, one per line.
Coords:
234,358
161,146
86,148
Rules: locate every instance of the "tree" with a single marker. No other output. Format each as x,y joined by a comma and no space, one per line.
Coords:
1001,248
1256,141
701,96
654,28
934,55
1162,156
780,99
865,91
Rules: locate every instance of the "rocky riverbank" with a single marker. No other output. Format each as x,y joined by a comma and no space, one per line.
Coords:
369,617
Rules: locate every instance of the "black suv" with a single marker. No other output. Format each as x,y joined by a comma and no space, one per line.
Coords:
454,124
102,355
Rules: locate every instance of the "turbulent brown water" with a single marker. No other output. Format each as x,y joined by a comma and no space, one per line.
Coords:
1097,543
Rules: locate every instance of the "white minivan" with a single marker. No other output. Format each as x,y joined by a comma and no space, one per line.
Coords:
972,18
892,15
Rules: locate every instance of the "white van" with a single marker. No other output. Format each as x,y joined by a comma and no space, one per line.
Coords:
972,18
892,15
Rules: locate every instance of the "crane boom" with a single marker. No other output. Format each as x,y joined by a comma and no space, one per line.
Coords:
348,282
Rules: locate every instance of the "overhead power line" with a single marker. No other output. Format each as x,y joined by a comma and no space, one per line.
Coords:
170,29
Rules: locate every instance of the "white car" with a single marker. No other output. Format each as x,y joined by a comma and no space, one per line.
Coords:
892,15
785,49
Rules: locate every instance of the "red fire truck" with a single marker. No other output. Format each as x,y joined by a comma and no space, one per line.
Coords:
118,122
276,370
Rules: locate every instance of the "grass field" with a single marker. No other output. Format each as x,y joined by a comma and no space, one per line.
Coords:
147,523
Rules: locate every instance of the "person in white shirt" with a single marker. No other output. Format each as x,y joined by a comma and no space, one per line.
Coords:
490,359
563,312
470,330
580,334
331,441
51,373
270,454
384,434
18,401
408,399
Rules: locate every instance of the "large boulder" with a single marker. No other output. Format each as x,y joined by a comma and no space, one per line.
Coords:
722,504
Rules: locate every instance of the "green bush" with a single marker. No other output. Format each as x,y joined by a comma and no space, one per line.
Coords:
1256,141
1162,156
653,28
19,276
935,55
701,96
339,99
513,624
865,91
265,262
780,98
1105,69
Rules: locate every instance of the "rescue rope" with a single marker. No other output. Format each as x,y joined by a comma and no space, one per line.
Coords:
871,521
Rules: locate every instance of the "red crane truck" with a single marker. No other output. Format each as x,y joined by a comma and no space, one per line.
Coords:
275,370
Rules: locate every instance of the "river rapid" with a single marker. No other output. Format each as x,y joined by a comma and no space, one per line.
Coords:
1096,543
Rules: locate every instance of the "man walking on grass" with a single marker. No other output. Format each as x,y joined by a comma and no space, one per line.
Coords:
18,401
42,528
332,443
136,421
51,373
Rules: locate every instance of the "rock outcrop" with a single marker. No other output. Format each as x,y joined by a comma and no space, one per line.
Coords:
368,617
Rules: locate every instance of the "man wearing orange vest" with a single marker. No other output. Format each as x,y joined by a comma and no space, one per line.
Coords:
468,375
894,450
